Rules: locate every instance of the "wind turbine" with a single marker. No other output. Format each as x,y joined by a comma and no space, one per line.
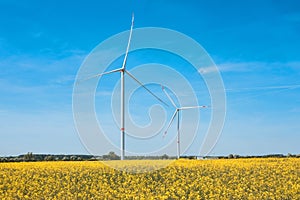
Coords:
123,71
177,112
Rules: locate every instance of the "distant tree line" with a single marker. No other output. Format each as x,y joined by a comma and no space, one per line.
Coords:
235,156
30,157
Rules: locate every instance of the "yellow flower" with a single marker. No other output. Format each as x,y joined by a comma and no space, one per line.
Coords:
271,178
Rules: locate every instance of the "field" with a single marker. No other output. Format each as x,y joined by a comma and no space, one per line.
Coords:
270,178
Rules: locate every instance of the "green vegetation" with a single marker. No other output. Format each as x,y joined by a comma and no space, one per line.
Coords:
30,157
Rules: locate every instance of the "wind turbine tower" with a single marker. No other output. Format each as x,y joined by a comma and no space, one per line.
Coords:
177,112
123,71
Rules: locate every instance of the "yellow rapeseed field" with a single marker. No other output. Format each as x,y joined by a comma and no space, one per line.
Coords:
183,179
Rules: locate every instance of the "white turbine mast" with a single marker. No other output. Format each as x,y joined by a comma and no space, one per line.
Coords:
123,71
177,112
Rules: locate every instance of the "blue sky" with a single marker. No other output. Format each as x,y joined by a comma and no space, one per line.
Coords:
255,45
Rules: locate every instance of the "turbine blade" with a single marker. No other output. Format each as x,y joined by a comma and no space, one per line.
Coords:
141,84
104,73
191,107
128,44
163,89
170,123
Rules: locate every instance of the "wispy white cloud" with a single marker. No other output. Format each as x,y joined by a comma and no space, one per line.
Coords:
14,87
208,70
233,67
104,93
255,66
38,83
276,87
64,80
17,65
237,66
